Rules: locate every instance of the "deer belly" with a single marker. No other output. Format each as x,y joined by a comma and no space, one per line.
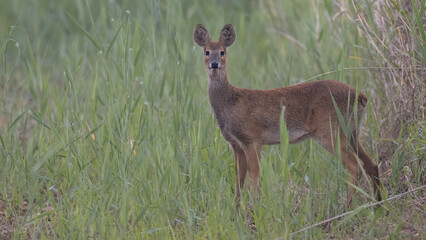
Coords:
295,135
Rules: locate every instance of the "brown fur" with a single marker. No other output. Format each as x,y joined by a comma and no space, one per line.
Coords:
249,119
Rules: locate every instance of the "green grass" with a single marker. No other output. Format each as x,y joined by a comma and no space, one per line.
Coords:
106,130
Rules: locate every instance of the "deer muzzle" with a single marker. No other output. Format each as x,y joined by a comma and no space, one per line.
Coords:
214,65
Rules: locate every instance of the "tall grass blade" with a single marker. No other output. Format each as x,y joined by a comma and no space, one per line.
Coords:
111,43
84,31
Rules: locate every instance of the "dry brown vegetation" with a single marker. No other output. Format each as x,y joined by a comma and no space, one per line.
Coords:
397,41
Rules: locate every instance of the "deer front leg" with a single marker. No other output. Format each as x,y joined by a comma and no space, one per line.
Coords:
240,170
253,157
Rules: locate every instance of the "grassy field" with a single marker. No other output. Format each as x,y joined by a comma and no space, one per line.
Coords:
106,130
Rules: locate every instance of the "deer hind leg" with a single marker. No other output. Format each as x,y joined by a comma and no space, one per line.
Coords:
240,169
253,157
349,159
370,167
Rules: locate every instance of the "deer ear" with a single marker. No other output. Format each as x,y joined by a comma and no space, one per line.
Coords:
227,35
201,35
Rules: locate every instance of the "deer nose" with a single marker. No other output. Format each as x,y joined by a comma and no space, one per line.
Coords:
214,65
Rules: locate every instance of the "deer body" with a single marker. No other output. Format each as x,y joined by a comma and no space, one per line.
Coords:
249,119
246,115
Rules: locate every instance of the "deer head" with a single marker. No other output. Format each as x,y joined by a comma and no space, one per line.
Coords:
214,52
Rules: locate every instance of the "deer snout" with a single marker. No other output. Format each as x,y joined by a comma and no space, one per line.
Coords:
214,61
214,64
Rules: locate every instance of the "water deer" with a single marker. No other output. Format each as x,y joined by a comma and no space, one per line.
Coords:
249,119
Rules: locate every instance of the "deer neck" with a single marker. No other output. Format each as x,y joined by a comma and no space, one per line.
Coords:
220,90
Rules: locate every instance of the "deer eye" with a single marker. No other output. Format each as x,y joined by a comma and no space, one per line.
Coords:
207,53
222,53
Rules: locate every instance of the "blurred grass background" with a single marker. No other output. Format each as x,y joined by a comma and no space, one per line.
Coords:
106,130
